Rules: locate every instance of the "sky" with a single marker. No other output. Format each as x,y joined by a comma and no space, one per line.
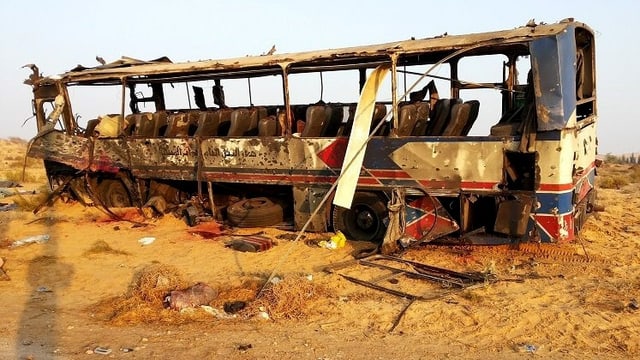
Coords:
58,35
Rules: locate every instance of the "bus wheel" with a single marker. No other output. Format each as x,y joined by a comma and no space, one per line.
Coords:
112,193
365,220
255,212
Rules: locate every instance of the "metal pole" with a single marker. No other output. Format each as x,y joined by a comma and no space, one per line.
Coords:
213,205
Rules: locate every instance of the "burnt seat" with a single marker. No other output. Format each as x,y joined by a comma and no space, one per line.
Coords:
208,124
422,118
440,116
379,112
225,121
348,113
407,117
268,126
147,124
473,116
336,117
244,122
255,114
463,115
240,122
182,124
317,118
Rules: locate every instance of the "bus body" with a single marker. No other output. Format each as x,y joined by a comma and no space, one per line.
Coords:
529,177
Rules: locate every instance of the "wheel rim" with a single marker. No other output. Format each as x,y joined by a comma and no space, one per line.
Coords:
363,222
114,194
366,219
119,198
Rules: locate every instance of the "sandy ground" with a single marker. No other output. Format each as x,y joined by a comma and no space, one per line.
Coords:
552,301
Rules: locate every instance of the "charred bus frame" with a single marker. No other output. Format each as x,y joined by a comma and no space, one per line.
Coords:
531,178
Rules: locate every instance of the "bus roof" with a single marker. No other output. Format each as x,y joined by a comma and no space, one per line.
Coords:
351,57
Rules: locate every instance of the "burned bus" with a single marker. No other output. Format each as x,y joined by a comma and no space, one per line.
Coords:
477,138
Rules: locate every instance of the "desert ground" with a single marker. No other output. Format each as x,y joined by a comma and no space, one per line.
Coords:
93,290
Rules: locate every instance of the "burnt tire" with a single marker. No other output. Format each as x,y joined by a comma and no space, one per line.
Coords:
366,220
113,193
255,212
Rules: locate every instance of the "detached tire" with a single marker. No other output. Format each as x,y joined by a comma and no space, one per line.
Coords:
255,212
365,220
112,193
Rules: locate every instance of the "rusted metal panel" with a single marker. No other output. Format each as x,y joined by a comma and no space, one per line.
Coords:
119,70
408,162
305,201
174,159
110,155
67,149
513,217
554,66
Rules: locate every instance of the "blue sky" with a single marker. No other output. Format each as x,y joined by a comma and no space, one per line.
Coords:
58,35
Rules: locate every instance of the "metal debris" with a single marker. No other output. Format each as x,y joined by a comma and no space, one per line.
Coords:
249,243
8,207
36,239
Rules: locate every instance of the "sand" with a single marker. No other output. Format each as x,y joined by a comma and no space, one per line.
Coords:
66,297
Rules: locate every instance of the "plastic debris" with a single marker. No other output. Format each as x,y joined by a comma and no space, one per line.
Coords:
263,315
8,207
148,240
528,348
36,239
336,241
102,350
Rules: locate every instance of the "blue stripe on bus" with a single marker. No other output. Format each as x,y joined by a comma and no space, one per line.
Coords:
559,203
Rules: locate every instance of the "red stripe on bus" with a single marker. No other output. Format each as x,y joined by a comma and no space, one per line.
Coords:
392,174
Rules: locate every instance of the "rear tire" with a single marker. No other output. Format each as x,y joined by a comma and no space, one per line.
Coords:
112,193
255,212
366,220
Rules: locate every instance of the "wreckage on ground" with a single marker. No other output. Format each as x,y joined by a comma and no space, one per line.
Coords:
261,139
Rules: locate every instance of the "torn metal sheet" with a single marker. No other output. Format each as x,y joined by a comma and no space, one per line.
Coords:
357,146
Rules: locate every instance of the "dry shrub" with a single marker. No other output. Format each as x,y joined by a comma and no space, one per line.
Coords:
144,301
157,280
634,173
612,182
292,298
101,247
17,141
245,292
28,202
